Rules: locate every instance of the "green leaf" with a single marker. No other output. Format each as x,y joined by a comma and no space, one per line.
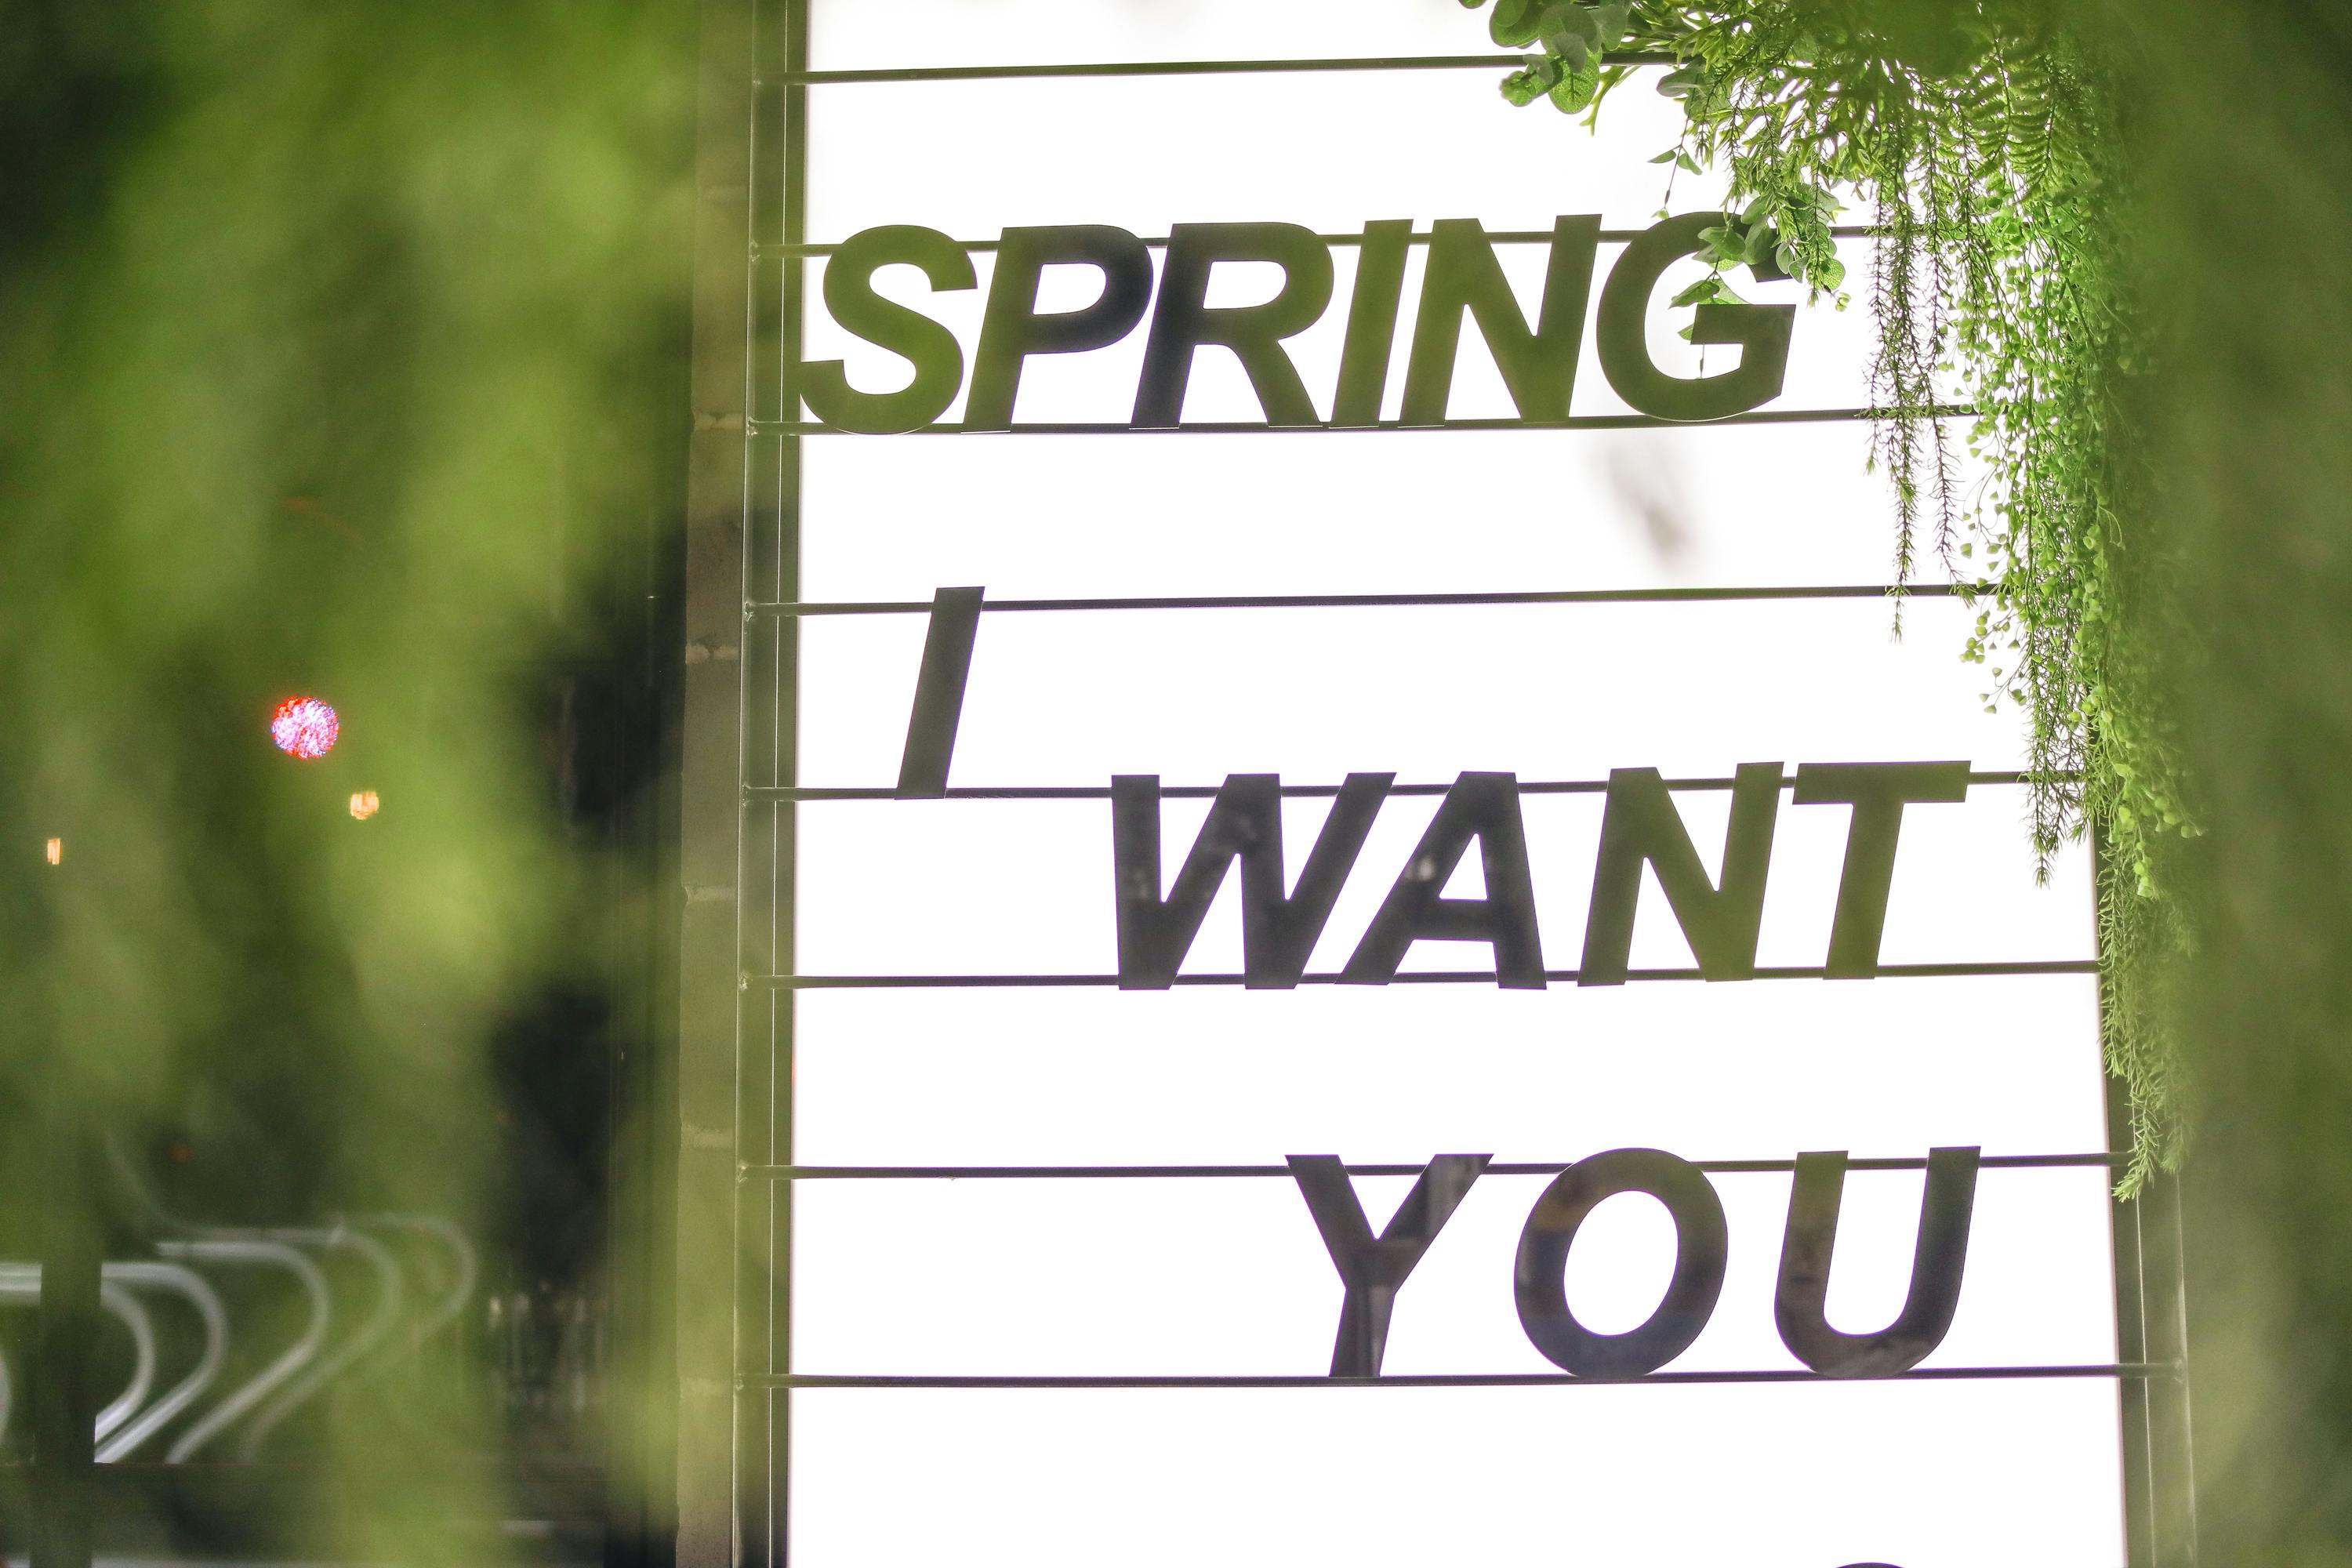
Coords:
1830,274
1682,83
1569,28
1513,25
1579,88
1668,156
1705,288
1524,87
1682,162
1757,210
1785,255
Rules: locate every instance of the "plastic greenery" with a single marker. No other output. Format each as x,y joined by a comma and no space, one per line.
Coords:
1979,134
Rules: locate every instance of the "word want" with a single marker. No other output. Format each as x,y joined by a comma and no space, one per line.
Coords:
1462,276
1640,825
1373,1269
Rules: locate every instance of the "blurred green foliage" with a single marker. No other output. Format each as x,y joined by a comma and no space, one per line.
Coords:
2238,141
331,341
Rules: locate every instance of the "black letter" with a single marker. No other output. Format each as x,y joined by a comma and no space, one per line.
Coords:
849,295
1639,824
1371,322
1702,1245
1762,330
1277,933
1481,805
1877,792
1373,1272
1012,330
1799,1304
1540,367
1183,322
939,693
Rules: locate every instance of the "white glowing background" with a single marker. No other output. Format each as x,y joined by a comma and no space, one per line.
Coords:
1229,1275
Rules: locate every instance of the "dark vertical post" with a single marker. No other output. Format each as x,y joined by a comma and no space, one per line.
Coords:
2172,1467
649,700
2151,1326
2131,1345
739,461
767,911
64,1393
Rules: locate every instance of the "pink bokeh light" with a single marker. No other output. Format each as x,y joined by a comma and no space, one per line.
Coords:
305,727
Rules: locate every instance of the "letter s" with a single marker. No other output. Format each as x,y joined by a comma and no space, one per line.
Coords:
936,357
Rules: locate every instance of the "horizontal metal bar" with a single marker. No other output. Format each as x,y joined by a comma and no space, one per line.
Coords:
1391,601
1244,428
1201,1173
1462,1380
1191,67
1431,977
761,251
1291,792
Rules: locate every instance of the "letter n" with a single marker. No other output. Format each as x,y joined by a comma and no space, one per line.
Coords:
1278,933
1539,367
1641,824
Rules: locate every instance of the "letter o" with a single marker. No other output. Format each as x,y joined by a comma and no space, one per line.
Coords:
1702,1245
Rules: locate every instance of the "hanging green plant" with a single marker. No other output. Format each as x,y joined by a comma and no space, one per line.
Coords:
1980,135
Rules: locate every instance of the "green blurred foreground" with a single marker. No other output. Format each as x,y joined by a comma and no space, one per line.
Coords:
341,353
341,356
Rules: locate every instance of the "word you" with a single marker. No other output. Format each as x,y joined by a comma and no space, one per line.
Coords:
1374,1269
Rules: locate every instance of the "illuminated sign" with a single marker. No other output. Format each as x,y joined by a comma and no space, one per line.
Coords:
1291,1022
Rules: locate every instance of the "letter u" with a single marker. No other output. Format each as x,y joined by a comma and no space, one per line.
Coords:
1800,1307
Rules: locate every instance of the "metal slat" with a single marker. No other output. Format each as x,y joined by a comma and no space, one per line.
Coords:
908,74
1393,601
2128,1370
1205,1173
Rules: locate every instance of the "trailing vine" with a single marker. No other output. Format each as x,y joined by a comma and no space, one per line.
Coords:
1980,136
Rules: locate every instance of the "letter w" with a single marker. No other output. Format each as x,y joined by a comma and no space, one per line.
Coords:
1277,932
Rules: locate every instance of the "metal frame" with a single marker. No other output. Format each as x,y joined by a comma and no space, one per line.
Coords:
738,797
2152,1324
735,856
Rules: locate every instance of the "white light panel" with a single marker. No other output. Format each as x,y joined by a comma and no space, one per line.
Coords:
1226,1277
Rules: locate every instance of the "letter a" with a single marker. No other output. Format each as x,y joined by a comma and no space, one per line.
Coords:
1485,806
